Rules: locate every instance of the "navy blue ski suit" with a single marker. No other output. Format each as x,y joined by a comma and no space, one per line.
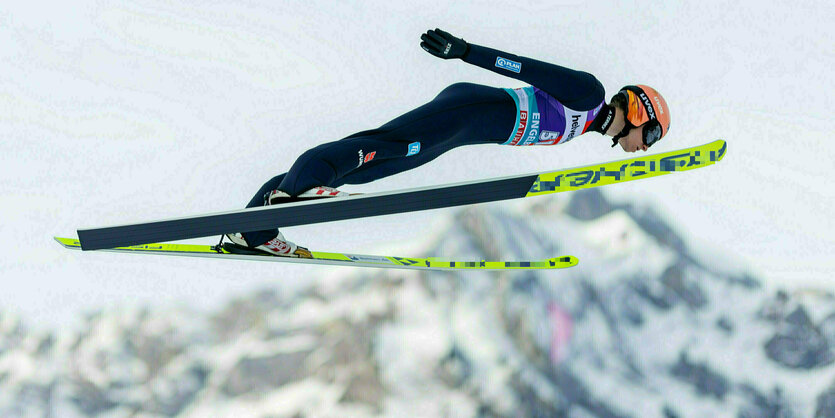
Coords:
461,114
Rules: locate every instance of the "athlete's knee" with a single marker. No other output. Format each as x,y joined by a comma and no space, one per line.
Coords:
324,153
307,174
316,163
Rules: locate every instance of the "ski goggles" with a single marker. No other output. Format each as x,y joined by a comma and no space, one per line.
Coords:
652,133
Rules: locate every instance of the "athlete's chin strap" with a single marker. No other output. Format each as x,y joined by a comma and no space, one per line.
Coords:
621,134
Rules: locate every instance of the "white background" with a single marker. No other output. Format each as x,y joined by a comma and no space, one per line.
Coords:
114,112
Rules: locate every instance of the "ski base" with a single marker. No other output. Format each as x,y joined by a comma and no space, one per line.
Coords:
232,251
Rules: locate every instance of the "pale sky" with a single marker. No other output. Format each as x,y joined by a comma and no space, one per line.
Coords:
114,112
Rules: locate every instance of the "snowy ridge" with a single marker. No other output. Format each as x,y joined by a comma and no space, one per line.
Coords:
648,325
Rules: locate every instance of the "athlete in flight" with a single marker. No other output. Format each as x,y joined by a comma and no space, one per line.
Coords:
559,105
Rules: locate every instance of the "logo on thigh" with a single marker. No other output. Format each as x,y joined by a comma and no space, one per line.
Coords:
414,148
364,158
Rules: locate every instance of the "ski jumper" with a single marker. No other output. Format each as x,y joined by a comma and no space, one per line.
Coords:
559,105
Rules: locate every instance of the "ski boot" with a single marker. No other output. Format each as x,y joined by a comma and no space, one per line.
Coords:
277,197
277,246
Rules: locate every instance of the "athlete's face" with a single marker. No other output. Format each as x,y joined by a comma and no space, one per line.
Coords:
633,141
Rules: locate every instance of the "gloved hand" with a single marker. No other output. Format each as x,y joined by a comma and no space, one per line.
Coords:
443,45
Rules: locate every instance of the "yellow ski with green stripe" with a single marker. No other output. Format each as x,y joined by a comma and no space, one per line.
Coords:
602,174
339,259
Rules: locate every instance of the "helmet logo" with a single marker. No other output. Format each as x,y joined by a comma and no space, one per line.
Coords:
648,105
660,106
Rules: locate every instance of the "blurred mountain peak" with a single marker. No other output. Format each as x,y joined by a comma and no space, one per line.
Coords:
643,316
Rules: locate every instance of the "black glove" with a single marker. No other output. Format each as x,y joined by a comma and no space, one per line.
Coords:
443,45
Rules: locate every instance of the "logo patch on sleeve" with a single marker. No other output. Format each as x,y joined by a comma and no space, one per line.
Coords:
509,65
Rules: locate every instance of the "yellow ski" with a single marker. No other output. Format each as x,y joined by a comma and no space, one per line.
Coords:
338,259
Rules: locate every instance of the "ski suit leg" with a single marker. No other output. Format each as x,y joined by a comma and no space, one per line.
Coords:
461,114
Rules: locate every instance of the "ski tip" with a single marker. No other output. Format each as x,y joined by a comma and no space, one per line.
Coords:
70,243
564,261
722,149
714,151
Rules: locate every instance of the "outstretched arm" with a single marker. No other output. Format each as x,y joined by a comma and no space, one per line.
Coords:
576,89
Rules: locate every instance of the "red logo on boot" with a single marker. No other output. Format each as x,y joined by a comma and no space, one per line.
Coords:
279,246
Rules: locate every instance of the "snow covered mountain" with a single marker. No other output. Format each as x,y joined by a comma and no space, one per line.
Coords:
648,325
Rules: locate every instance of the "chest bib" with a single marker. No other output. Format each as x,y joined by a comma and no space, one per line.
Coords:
543,120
